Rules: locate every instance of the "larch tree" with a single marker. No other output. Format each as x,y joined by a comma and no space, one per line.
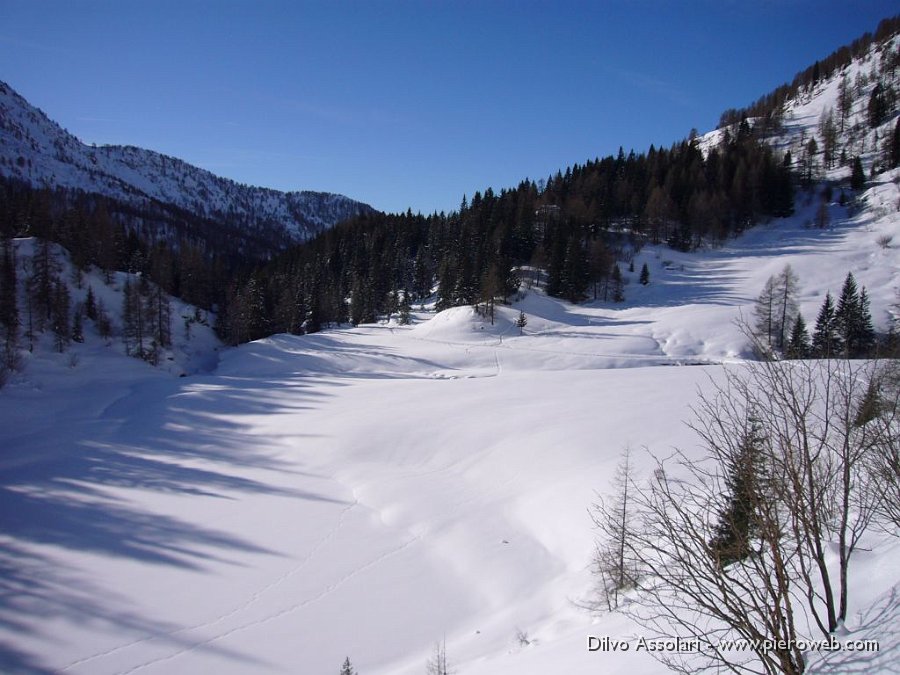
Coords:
615,520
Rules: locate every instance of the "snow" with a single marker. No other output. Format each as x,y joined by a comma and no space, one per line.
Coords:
368,492
36,150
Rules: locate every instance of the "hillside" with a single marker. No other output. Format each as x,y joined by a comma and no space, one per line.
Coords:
34,149
368,491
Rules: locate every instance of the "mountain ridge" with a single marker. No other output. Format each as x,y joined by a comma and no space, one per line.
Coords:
36,150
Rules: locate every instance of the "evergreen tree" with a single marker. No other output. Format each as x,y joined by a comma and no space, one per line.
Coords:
446,286
133,328
858,175
829,132
863,330
848,315
521,322
845,100
405,309
9,307
644,279
90,304
894,154
490,287
104,324
618,285
738,521
59,316
826,341
160,307
43,280
347,668
878,105
799,346
77,326
575,271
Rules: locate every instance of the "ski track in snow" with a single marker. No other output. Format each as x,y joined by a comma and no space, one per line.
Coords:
277,615
257,595
513,463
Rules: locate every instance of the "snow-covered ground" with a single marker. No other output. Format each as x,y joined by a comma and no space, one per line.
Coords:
366,492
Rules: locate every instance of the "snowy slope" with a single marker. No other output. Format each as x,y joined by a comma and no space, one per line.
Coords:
36,150
368,492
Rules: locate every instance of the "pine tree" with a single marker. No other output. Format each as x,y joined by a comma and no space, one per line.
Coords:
737,521
894,154
347,668
878,106
59,316
9,309
618,285
104,324
848,315
44,273
77,326
490,288
644,279
799,346
845,100
521,322
446,285
159,308
858,175
863,330
826,341
405,310
90,304
134,331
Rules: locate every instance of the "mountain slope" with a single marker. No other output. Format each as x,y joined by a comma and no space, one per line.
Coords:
366,492
36,150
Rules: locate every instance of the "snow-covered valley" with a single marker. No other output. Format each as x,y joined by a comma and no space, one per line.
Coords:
366,492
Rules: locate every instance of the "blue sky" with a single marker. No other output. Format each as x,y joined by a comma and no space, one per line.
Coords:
406,104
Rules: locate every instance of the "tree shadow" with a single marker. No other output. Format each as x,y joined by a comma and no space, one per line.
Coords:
61,490
35,592
881,623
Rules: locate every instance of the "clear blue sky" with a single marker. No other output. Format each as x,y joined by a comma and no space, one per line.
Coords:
407,104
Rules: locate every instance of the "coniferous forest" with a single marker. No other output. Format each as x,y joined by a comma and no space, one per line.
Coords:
575,225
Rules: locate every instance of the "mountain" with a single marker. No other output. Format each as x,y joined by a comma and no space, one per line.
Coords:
362,493
36,150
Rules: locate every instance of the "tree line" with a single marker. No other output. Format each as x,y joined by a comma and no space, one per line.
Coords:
842,330
576,225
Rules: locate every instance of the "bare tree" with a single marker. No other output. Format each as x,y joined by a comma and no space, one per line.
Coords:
438,664
776,310
615,521
825,454
880,413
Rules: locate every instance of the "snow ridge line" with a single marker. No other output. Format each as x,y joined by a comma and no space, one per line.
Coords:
661,359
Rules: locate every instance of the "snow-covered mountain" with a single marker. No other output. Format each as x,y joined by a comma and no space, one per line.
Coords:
366,492
38,151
